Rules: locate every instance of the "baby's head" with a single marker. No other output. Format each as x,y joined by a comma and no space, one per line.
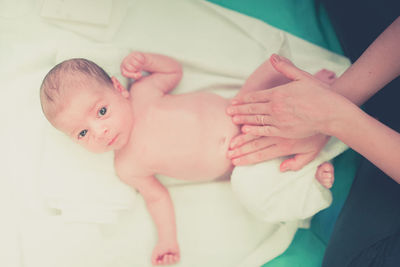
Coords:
80,99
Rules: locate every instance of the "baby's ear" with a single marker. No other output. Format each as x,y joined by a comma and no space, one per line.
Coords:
119,87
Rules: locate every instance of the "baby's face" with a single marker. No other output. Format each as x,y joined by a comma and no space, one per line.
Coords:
98,118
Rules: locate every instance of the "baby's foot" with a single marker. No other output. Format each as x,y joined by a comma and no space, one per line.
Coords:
325,174
325,76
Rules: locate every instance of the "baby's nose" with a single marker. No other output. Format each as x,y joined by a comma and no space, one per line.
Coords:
101,131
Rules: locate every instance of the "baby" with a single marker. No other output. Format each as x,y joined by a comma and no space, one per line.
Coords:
183,136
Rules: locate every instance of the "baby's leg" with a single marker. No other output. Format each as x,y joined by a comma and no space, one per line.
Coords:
325,174
265,77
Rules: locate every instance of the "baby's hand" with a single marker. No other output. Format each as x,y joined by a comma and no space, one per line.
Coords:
165,253
132,65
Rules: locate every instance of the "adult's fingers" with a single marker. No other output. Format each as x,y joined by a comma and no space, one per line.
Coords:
253,119
287,68
250,109
252,97
297,162
265,154
252,146
241,139
267,130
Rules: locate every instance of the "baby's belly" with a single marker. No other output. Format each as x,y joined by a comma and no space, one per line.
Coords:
194,137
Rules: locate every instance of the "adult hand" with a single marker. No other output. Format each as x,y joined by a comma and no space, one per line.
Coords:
298,109
249,149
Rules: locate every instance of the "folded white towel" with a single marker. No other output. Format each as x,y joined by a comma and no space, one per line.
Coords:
274,196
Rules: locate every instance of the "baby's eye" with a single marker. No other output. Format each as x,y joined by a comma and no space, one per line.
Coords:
82,133
102,111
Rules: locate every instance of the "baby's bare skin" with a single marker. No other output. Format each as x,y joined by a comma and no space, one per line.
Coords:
183,136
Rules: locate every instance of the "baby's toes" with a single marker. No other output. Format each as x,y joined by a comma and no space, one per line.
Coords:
327,182
325,174
326,167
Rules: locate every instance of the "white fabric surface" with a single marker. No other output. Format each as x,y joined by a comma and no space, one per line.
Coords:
74,206
275,197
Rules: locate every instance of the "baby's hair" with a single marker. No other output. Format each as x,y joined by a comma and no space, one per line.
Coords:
66,74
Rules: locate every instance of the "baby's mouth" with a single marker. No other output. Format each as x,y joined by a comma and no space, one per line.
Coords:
112,140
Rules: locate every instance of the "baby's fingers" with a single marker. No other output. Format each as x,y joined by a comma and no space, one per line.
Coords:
130,66
166,259
131,74
137,58
170,259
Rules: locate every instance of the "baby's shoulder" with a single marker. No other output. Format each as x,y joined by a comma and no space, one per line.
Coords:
127,166
144,90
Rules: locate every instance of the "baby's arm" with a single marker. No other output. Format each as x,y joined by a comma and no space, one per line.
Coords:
159,204
165,72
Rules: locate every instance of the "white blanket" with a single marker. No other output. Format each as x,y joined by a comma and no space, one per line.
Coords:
70,202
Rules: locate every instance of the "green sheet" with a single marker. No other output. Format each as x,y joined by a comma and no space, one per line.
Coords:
302,19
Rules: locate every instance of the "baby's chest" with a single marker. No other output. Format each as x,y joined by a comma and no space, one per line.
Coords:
182,129
168,136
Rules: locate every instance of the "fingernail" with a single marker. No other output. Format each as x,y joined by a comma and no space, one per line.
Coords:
246,129
231,153
236,119
230,111
236,161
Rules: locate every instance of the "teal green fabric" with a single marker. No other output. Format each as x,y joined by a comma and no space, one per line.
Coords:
303,19
298,17
306,250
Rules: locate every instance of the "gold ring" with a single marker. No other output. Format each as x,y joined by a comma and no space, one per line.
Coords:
262,121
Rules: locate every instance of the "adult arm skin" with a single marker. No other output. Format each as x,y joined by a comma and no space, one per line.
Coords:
305,107
377,66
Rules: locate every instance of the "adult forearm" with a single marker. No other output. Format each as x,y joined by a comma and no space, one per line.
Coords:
372,139
376,67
